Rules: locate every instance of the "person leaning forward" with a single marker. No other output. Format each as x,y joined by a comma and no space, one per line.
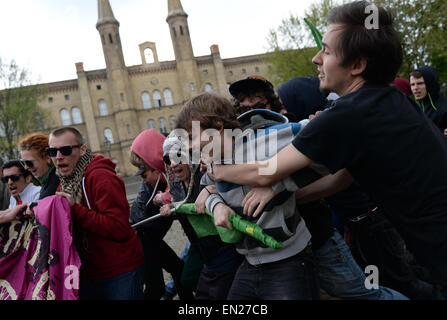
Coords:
373,134
110,251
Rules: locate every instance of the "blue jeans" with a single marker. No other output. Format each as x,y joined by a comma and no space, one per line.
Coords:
126,286
340,276
170,286
289,279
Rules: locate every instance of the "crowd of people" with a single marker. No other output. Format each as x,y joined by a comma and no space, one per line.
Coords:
359,179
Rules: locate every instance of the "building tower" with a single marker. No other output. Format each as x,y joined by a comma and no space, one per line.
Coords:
120,94
181,41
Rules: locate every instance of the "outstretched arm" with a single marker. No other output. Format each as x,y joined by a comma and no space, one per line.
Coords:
324,187
262,173
11,214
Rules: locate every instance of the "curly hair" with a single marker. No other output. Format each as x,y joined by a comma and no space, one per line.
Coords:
272,100
211,110
37,142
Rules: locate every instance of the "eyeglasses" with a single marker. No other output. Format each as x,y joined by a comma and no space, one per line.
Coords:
27,163
65,150
13,177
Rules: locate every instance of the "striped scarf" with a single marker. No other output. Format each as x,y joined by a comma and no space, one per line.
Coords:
73,185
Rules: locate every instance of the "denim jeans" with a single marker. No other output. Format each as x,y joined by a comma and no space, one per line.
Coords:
289,279
374,240
126,286
340,276
170,286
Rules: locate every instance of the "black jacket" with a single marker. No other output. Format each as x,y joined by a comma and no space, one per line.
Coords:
302,97
50,187
433,105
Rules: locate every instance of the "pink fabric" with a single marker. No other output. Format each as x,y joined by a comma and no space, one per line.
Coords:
403,85
39,261
148,145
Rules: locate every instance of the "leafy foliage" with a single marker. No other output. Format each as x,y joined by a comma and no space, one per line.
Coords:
292,45
19,111
421,23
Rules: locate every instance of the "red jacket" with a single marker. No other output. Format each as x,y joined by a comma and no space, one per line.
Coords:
113,245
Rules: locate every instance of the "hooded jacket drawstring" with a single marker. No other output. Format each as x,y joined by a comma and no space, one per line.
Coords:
431,101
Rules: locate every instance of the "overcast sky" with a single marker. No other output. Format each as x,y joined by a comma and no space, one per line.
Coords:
49,36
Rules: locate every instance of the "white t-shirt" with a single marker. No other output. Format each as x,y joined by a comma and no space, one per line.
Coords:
30,194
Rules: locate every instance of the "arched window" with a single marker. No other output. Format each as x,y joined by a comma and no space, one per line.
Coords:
38,120
168,97
208,87
151,124
146,97
157,99
149,55
103,108
76,115
109,135
65,117
163,125
172,122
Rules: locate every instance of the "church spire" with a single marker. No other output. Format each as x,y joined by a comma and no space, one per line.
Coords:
108,28
175,9
105,13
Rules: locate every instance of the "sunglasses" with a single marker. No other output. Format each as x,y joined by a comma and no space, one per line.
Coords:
65,150
27,163
13,177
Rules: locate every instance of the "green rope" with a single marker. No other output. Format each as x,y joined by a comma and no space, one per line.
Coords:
203,225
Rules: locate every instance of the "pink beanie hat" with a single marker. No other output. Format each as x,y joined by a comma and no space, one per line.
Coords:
148,145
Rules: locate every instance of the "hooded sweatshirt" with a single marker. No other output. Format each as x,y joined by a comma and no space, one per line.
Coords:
281,220
113,245
148,145
302,96
433,105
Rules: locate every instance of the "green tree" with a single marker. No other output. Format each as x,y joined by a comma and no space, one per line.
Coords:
422,25
423,28
19,111
292,45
